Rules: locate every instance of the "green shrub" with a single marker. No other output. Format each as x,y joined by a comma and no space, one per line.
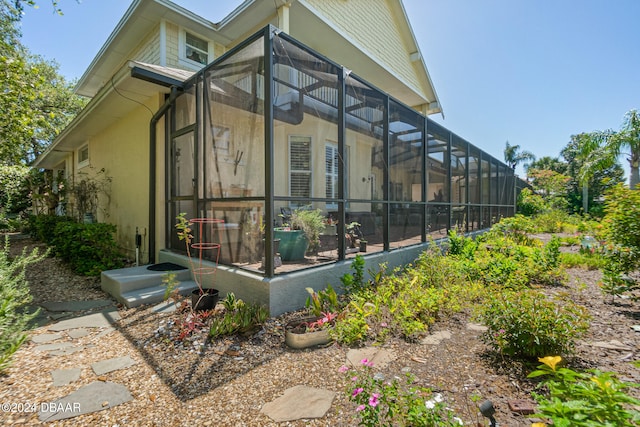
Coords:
554,221
527,324
14,297
88,248
43,227
622,219
530,203
459,244
407,302
589,399
351,327
504,260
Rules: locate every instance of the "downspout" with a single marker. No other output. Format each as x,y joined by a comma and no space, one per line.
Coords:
152,171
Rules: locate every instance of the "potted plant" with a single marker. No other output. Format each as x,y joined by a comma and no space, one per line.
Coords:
201,298
313,329
353,235
301,234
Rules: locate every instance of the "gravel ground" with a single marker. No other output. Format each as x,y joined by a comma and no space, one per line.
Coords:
226,382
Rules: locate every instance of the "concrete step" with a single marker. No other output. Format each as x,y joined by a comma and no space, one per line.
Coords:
123,280
153,294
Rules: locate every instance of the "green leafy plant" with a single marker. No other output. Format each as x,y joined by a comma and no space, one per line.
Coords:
354,282
394,403
243,319
14,297
592,398
527,324
352,328
311,222
324,301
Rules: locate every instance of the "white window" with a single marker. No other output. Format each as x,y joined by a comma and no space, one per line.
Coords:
83,156
331,173
300,166
196,49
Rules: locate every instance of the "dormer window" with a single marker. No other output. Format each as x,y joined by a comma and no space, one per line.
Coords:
196,49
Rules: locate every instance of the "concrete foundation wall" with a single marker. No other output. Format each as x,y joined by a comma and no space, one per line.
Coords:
287,292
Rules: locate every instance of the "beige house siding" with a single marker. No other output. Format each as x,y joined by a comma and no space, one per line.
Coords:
355,18
173,39
128,206
149,48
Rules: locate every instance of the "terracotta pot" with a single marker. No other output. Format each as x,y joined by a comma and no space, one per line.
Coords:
296,336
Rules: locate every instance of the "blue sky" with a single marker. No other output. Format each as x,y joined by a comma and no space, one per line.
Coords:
531,72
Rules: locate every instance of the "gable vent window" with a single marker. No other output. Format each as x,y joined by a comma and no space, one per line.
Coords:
196,49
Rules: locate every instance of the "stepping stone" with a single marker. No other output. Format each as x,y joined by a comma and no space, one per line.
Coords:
93,397
109,365
52,347
66,351
77,333
97,320
436,338
477,327
65,376
75,305
299,402
380,357
45,338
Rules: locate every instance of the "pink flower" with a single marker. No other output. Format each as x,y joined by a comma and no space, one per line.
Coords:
367,362
354,378
384,324
360,408
357,391
343,369
373,400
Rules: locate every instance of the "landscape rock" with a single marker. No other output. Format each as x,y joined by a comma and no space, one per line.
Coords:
299,402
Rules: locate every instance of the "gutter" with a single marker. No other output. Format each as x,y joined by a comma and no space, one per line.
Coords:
175,91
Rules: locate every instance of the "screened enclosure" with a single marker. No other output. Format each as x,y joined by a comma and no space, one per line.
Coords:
272,128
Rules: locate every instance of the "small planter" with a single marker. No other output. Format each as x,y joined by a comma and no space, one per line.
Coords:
363,246
296,335
206,301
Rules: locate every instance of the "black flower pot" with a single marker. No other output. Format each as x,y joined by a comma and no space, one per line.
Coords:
205,301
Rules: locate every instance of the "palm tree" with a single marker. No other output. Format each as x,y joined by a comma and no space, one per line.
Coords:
629,139
513,156
603,148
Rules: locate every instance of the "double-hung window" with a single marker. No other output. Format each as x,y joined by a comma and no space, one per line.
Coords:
196,49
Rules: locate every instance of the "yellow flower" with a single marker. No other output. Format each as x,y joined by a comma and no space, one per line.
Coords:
602,384
538,425
550,361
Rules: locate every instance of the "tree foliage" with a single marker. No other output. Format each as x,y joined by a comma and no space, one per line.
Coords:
513,156
580,150
37,102
602,149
